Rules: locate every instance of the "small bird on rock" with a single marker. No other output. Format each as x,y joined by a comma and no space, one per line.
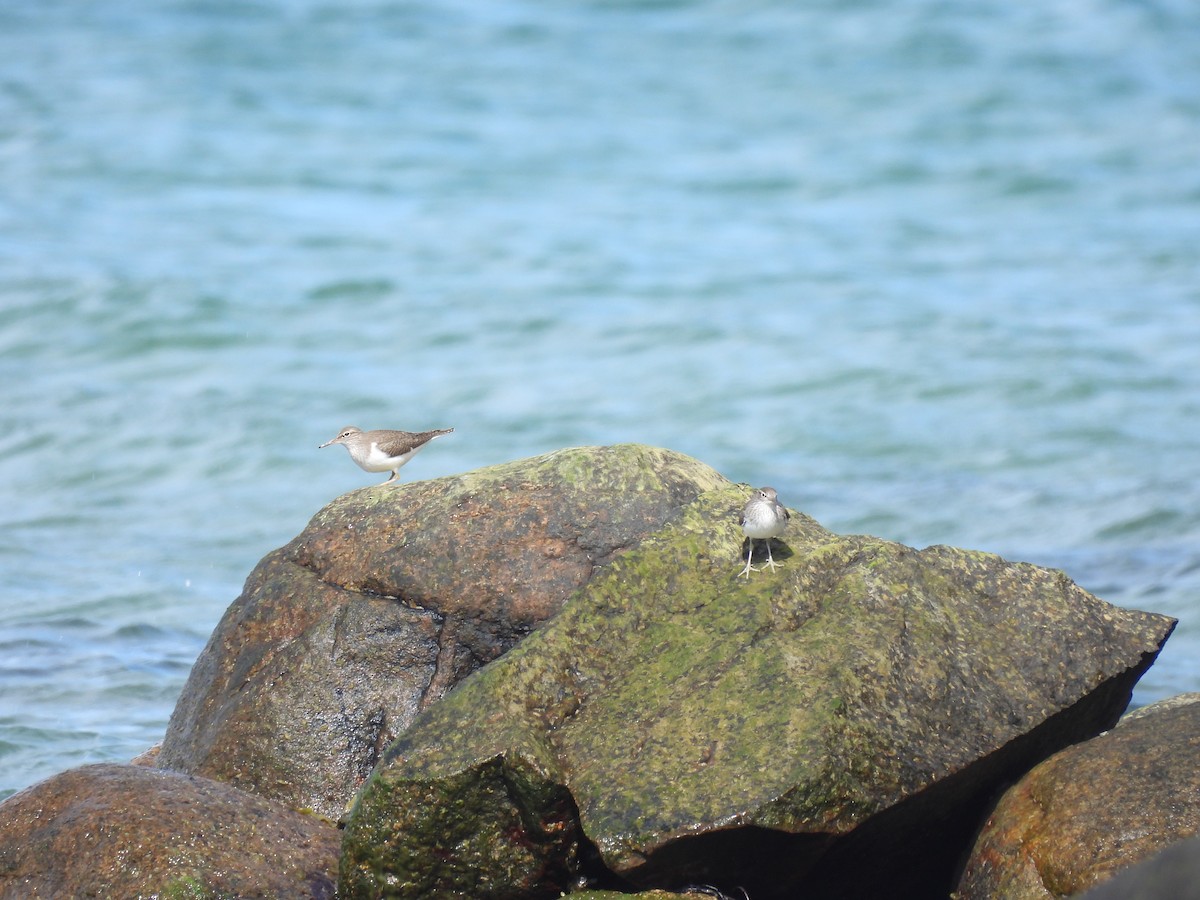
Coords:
763,517
382,450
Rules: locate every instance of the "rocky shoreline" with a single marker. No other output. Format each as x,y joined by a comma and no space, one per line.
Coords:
546,677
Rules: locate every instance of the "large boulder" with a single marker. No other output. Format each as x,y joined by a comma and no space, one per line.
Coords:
830,729
1093,809
131,831
391,596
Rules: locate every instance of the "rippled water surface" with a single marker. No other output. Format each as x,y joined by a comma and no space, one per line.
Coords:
930,269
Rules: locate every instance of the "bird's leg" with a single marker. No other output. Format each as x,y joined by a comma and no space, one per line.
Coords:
770,562
395,472
749,556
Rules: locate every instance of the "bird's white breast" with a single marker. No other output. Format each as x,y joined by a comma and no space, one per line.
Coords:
762,520
376,460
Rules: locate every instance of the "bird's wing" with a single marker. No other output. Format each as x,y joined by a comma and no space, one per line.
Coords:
398,443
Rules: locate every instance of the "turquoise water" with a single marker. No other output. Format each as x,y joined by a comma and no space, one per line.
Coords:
930,269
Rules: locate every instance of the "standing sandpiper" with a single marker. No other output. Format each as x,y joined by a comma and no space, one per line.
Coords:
383,451
763,517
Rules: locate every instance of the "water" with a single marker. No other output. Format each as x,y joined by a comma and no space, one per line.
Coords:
928,268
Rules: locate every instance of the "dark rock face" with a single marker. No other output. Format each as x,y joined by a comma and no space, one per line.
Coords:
675,724
1093,809
132,831
390,597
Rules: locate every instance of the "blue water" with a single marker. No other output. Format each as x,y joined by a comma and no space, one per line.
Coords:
931,269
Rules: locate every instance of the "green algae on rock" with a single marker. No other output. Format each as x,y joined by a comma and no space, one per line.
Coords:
502,811
860,703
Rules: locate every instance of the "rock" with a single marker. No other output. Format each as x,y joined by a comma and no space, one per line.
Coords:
1154,708
131,831
1093,809
148,757
832,729
1174,874
392,595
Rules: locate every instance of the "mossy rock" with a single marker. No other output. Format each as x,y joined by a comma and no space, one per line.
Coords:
833,728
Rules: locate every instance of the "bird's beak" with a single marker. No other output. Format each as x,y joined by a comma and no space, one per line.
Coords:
326,444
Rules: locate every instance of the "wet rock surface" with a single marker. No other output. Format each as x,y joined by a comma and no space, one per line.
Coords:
1093,809
831,729
390,597
131,831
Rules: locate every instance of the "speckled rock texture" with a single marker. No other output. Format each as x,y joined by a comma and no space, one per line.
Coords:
131,831
832,729
391,596
1093,809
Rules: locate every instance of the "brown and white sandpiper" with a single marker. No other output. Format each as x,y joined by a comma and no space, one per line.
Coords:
383,450
763,517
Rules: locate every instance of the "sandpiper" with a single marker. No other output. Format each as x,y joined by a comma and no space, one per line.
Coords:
383,451
763,517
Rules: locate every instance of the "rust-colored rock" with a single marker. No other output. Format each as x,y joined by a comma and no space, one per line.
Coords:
391,596
148,757
1093,809
131,831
